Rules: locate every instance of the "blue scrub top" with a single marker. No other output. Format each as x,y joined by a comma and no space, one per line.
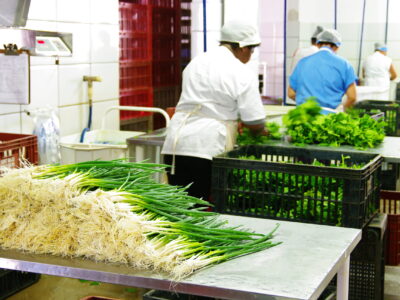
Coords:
323,75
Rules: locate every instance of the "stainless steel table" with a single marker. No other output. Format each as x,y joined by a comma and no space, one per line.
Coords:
300,268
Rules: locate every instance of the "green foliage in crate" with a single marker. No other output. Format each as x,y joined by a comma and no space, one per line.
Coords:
305,125
290,196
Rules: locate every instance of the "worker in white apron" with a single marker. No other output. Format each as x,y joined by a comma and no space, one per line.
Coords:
378,70
218,89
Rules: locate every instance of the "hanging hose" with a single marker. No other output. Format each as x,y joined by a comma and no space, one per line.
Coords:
205,24
361,40
335,15
387,21
90,80
284,52
82,138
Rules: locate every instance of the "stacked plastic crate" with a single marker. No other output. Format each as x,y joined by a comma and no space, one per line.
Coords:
391,115
186,23
15,149
135,60
312,186
166,54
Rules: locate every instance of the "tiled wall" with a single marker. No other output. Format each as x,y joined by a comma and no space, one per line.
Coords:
214,22
94,25
349,19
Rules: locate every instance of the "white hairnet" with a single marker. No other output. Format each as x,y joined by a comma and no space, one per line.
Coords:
240,32
380,46
317,31
330,36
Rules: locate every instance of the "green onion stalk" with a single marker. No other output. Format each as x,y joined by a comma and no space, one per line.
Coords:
171,231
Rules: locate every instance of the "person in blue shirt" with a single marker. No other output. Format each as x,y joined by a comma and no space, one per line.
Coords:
324,75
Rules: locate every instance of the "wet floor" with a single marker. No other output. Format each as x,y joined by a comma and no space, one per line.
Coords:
60,288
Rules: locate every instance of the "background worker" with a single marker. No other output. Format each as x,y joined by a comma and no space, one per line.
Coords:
324,75
218,89
303,52
378,70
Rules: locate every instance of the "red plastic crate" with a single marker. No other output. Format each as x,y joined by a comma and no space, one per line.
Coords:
166,73
166,3
390,204
166,48
165,21
139,97
164,97
134,18
15,147
135,47
134,75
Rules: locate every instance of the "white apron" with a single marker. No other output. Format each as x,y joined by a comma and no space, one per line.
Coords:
230,126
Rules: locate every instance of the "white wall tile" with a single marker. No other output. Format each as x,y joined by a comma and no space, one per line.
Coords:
27,124
44,86
104,43
245,10
214,16
80,42
348,11
73,11
43,10
105,11
9,108
112,118
269,29
375,11
10,123
72,88
73,119
196,43
349,50
316,10
374,32
108,88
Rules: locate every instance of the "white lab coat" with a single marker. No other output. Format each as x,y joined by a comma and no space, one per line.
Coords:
376,68
217,90
302,52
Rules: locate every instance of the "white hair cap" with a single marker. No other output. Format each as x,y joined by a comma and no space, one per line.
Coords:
380,46
240,32
330,36
317,31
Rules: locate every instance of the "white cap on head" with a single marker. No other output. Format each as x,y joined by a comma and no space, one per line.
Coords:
380,46
330,36
241,32
317,31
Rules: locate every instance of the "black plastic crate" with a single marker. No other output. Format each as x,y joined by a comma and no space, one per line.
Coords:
163,295
390,109
389,176
12,282
285,185
367,263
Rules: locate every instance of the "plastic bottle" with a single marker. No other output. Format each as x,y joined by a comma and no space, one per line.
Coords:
47,130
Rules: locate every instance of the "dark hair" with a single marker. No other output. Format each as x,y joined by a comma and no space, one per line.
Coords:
313,40
327,43
232,44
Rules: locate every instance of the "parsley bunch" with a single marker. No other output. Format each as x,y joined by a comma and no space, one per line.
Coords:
306,125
